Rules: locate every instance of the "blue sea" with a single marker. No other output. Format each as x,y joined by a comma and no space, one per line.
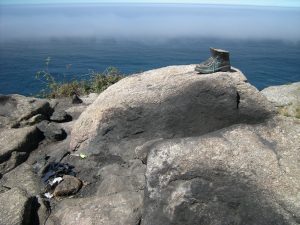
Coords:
264,42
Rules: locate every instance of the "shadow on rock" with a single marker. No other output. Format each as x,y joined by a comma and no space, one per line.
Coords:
199,110
213,197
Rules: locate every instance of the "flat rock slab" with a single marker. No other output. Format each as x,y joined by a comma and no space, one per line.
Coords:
16,144
116,178
15,109
244,174
169,102
119,209
15,207
24,178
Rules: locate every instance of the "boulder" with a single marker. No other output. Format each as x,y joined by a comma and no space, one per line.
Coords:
165,103
243,174
16,109
15,207
60,116
15,146
118,209
52,131
286,98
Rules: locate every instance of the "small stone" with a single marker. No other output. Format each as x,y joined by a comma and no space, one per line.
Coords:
69,186
60,116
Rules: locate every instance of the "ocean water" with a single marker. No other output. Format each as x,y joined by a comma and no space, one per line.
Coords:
138,38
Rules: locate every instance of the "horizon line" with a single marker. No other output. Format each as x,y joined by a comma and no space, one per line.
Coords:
147,3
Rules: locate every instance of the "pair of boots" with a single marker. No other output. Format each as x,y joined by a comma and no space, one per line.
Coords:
219,61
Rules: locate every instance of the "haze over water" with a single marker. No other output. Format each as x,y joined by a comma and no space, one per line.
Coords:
264,41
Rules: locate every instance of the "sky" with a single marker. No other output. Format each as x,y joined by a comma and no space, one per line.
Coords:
286,3
155,23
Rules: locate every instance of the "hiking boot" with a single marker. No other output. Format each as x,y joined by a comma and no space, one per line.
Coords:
219,61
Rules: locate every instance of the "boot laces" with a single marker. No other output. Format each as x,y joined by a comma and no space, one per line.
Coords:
210,61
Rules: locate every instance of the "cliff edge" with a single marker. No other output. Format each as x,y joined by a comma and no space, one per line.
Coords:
167,146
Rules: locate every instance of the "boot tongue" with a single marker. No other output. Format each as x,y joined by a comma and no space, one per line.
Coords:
213,52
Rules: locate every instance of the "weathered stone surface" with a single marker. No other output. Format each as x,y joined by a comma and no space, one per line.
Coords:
89,99
15,109
76,111
286,98
60,116
15,207
24,178
33,120
117,209
16,144
65,104
168,102
41,211
142,150
244,174
69,186
117,178
52,131
46,153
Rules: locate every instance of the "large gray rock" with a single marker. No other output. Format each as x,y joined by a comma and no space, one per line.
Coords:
15,146
119,209
164,103
243,174
286,98
15,208
15,110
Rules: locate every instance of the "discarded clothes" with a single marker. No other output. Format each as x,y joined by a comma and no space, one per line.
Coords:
54,170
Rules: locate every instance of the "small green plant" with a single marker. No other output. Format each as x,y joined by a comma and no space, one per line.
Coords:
97,82
100,81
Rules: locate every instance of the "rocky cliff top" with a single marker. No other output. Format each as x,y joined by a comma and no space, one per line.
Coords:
167,146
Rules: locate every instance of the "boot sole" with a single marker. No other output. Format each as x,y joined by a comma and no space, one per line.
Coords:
220,69
224,68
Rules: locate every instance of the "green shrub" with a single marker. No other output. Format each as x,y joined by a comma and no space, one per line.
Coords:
96,83
100,81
